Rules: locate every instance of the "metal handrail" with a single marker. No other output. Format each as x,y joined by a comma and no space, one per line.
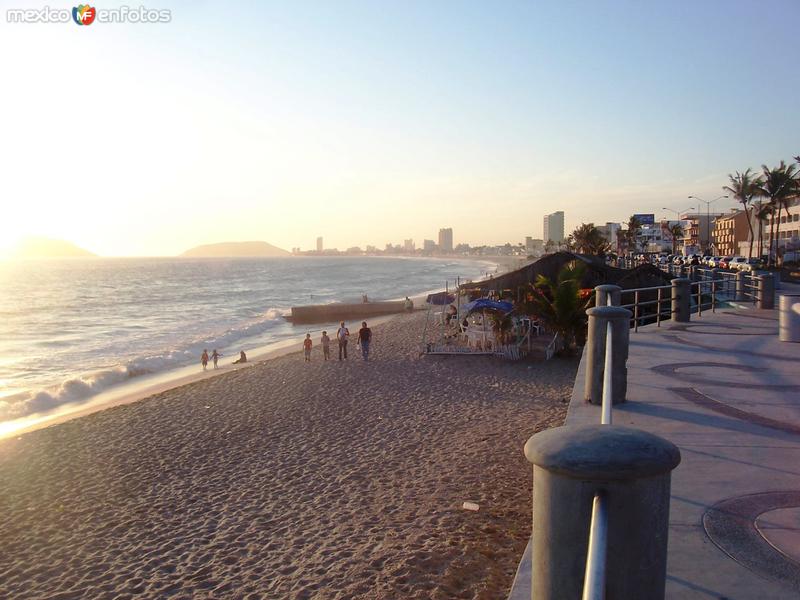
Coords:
646,289
594,581
607,389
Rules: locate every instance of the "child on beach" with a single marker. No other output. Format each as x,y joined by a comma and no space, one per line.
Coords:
326,345
215,357
307,347
204,359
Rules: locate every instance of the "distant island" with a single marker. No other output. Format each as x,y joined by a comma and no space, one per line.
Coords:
233,249
39,247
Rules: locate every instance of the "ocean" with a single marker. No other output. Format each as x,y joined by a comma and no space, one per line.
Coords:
73,329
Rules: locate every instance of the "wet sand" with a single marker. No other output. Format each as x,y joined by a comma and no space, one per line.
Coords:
287,480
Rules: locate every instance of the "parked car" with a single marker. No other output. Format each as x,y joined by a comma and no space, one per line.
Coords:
713,262
752,264
725,261
736,262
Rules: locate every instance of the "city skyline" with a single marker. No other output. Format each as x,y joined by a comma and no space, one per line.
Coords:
390,119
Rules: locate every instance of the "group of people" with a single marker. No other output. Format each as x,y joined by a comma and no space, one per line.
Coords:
342,337
204,358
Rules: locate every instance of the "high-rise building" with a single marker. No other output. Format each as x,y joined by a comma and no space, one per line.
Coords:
319,244
408,245
446,240
429,245
554,227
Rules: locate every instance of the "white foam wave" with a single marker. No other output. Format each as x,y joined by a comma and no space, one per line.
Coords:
85,386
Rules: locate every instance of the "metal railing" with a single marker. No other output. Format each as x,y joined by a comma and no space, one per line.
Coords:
594,583
636,306
708,291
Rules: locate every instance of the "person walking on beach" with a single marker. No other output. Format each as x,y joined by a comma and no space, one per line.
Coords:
341,336
326,345
307,347
215,357
204,359
408,304
364,338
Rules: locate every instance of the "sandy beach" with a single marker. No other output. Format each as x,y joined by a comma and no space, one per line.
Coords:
287,480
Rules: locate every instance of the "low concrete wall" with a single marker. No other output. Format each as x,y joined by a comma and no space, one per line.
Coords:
324,313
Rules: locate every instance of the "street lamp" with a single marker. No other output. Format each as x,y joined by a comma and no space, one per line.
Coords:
708,216
676,212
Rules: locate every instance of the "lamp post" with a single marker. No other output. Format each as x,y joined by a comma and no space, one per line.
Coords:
708,204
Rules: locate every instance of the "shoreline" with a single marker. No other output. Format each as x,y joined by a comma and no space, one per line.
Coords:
139,388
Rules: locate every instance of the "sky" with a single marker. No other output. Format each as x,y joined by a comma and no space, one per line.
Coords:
372,122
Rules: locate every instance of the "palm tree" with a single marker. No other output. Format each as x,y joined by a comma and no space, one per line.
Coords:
560,306
744,187
677,232
634,228
761,213
587,239
779,185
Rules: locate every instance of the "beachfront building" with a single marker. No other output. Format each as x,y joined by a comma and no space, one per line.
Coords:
428,246
533,246
789,234
446,240
729,232
319,244
655,237
697,232
408,245
554,227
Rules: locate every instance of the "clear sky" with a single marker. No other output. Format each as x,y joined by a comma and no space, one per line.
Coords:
367,122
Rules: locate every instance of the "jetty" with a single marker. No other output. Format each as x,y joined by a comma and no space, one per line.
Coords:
325,313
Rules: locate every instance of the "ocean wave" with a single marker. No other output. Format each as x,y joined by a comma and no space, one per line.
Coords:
82,388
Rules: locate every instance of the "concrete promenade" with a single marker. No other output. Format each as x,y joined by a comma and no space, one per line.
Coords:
727,393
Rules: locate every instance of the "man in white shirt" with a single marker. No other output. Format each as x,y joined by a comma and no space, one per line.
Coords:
341,336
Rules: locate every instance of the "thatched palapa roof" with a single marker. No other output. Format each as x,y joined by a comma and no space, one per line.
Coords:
597,273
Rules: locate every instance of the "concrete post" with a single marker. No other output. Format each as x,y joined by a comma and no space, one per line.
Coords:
789,318
740,289
632,468
602,292
620,319
766,291
681,296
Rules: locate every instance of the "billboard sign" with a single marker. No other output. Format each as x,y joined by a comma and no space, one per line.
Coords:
646,219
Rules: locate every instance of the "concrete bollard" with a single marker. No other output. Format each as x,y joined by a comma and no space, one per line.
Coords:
681,296
741,291
766,291
789,318
602,292
632,467
620,319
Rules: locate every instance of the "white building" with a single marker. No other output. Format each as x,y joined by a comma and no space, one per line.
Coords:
554,227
